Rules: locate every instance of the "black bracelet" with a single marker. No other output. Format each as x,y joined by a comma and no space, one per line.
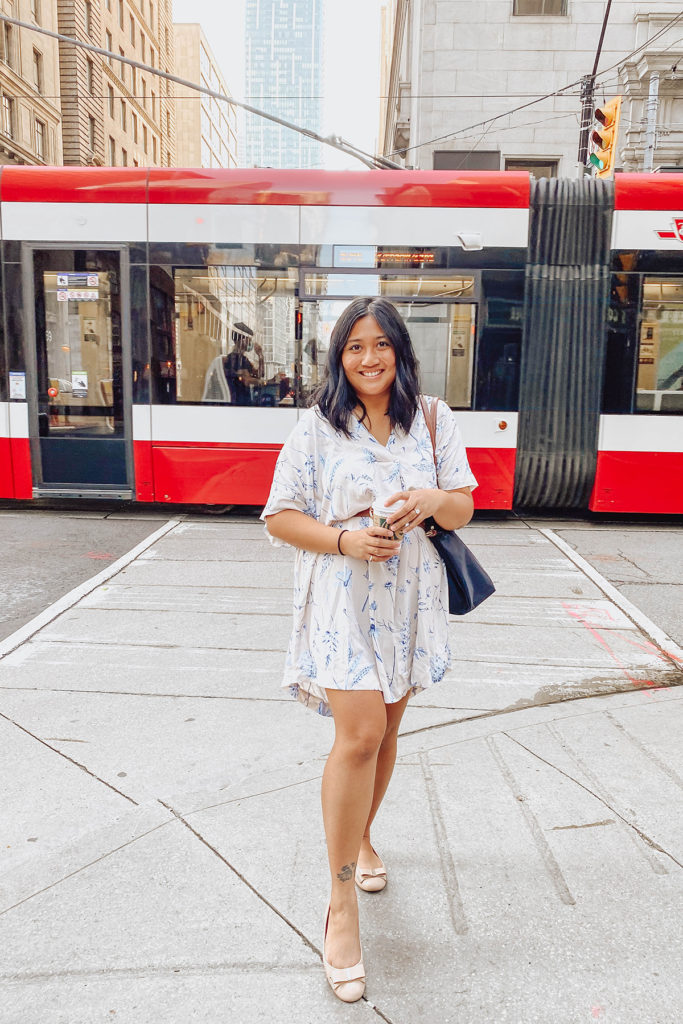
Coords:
339,541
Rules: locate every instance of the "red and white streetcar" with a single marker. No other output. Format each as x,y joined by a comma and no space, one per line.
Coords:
164,328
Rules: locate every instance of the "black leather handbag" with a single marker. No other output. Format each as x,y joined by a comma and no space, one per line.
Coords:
468,582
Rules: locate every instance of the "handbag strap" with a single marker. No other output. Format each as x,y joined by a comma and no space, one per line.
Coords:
429,413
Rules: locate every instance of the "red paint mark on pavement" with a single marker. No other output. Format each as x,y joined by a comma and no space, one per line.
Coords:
99,554
577,614
597,1010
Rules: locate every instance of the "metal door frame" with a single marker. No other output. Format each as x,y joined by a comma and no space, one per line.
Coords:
41,489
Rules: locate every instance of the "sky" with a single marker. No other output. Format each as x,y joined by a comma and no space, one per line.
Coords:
350,71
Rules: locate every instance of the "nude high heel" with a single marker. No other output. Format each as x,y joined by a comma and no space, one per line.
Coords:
347,983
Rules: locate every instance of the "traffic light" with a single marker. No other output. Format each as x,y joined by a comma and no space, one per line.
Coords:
604,138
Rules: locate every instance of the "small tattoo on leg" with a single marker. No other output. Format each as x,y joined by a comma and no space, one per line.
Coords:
346,872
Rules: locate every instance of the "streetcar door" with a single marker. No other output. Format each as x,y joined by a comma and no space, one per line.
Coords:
79,396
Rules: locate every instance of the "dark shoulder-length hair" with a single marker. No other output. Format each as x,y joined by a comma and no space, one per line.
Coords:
335,396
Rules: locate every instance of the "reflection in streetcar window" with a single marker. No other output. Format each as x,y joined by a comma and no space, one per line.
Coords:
234,336
659,384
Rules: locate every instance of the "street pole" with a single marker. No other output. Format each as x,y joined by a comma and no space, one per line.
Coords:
587,91
651,131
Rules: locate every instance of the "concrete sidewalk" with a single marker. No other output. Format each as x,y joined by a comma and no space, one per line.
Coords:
163,856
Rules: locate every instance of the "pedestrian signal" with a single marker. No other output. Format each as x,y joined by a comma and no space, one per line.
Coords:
604,138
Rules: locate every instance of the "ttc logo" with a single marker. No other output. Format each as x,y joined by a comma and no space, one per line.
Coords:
676,233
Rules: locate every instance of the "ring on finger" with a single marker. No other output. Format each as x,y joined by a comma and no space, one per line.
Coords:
417,511
370,558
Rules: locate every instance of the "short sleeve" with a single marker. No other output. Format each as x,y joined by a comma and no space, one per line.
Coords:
453,469
295,484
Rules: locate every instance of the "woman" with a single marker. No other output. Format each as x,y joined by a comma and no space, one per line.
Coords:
370,610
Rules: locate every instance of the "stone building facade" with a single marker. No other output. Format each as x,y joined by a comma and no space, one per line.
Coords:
30,115
114,114
454,66
206,128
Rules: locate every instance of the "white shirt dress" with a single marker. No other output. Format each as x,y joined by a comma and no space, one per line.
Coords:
366,625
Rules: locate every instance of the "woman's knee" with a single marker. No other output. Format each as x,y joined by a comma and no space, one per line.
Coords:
361,744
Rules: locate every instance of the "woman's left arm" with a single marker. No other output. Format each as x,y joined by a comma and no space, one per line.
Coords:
450,509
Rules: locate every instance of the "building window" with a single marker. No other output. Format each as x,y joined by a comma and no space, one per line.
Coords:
539,168
38,70
151,15
124,158
132,30
88,17
540,7
91,133
144,138
39,138
108,44
168,122
110,96
468,159
134,125
134,80
120,13
35,11
154,148
112,152
9,45
166,40
154,104
123,114
108,5
90,77
122,66
8,116
168,157
142,47
143,91
151,56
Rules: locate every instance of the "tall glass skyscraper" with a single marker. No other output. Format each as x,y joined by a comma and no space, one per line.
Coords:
283,77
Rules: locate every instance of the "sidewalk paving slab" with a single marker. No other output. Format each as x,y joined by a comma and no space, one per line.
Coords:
532,830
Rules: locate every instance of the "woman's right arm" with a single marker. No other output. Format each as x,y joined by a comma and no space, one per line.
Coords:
303,531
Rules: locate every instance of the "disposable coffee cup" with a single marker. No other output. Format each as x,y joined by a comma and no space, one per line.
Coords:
380,517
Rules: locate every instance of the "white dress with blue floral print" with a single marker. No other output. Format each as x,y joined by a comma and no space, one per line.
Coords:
366,625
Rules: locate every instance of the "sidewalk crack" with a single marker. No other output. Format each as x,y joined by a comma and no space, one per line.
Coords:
72,760
648,840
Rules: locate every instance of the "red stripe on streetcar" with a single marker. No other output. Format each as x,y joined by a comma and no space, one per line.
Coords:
619,482
648,192
73,185
258,187
667,234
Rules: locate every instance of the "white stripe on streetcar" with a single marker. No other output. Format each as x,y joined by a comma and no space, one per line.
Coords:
642,433
24,633
643,229
74,222
646,625
398,225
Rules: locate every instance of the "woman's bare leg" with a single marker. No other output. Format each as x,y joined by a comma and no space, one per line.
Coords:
348,781
386,758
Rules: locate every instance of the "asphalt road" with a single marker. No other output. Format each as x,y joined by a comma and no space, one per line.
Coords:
46,553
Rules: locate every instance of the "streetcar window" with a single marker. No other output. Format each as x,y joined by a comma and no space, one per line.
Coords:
230,339
659,381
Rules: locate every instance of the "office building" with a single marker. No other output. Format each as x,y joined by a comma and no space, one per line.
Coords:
283,76
206,127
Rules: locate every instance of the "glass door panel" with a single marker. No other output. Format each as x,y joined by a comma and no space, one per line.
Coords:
79,356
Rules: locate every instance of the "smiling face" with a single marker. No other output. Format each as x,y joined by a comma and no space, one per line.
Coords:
368,359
